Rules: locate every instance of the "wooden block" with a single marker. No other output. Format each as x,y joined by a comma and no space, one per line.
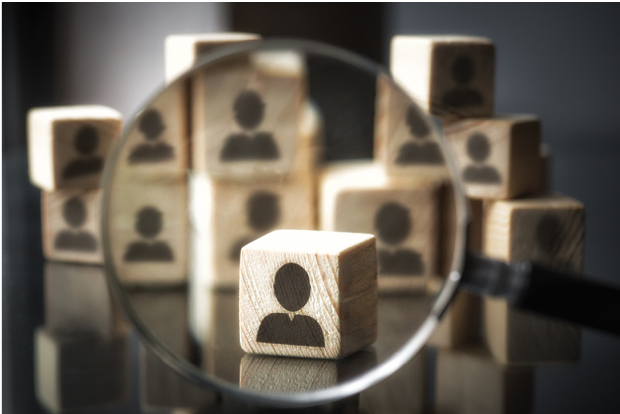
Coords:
547,230
77,301
470,381
448,76
71,221
148,233
475,235
461,323
333,310
401,212
182,51
498,157
68,145
77,372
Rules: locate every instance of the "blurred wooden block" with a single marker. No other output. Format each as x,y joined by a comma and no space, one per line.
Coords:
69,145
499,158
461,323
148,233
182,51
77,301
329,278
547,230
402,213
448,76
470,381
71,224
78,372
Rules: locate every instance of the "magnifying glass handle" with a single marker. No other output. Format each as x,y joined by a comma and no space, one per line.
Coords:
534,288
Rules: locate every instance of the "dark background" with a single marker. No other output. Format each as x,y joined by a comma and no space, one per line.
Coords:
559,61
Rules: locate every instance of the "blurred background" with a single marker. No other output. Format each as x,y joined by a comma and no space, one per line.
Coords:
559,61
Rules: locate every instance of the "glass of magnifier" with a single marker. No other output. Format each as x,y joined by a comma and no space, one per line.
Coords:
268,135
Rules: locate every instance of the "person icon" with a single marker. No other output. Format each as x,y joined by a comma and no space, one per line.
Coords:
148,225
85,143
423,152
292,290
249,111
74,214
393,225
478,149
151,126
463,73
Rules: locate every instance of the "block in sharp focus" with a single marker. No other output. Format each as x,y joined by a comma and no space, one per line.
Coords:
548,230
69,145
448,76
308,294
401,212
71,225
499,157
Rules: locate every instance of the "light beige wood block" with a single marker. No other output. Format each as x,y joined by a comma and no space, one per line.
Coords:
448,76
71,225
547,230
77,302
401,212
470,381
499,157
461,323
308,294
148,229
69,145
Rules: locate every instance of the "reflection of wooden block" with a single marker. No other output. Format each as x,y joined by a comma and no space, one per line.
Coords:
460,325
329,278
71,221
549,231
77,301
68,145
79,372
448,76
401,212
498,158
148,233
470,381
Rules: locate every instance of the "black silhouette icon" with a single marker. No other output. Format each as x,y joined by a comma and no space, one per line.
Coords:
462,96
393,225
249,112
148,225
478,148
74,214
151,125
292,289
550,236
85,143
423,152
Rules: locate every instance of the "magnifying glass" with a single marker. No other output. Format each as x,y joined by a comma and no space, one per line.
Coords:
262,136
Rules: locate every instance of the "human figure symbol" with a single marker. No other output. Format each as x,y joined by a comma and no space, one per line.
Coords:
421,151
462,96
292,290
74,214
151,126
479,149
148,225
85,143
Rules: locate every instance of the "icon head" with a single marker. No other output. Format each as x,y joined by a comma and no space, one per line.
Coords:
549,234
292,287
463,70
151,124
478,147
263,210
86,140
249,109
392,223
74,212
417,125
149,222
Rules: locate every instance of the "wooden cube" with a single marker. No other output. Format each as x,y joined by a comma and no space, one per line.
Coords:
69,145
461,323
498,158
402,213
448,76
547,230
308,294
71,224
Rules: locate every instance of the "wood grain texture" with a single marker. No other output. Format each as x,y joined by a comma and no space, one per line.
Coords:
327,282
498,158
69,145
448,76
547,230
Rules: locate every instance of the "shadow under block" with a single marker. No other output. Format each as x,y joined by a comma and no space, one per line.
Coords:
448,76
308,294
499,157
550,231
470,381
68,145
74,372
461,323
401,212
77,301
71,225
